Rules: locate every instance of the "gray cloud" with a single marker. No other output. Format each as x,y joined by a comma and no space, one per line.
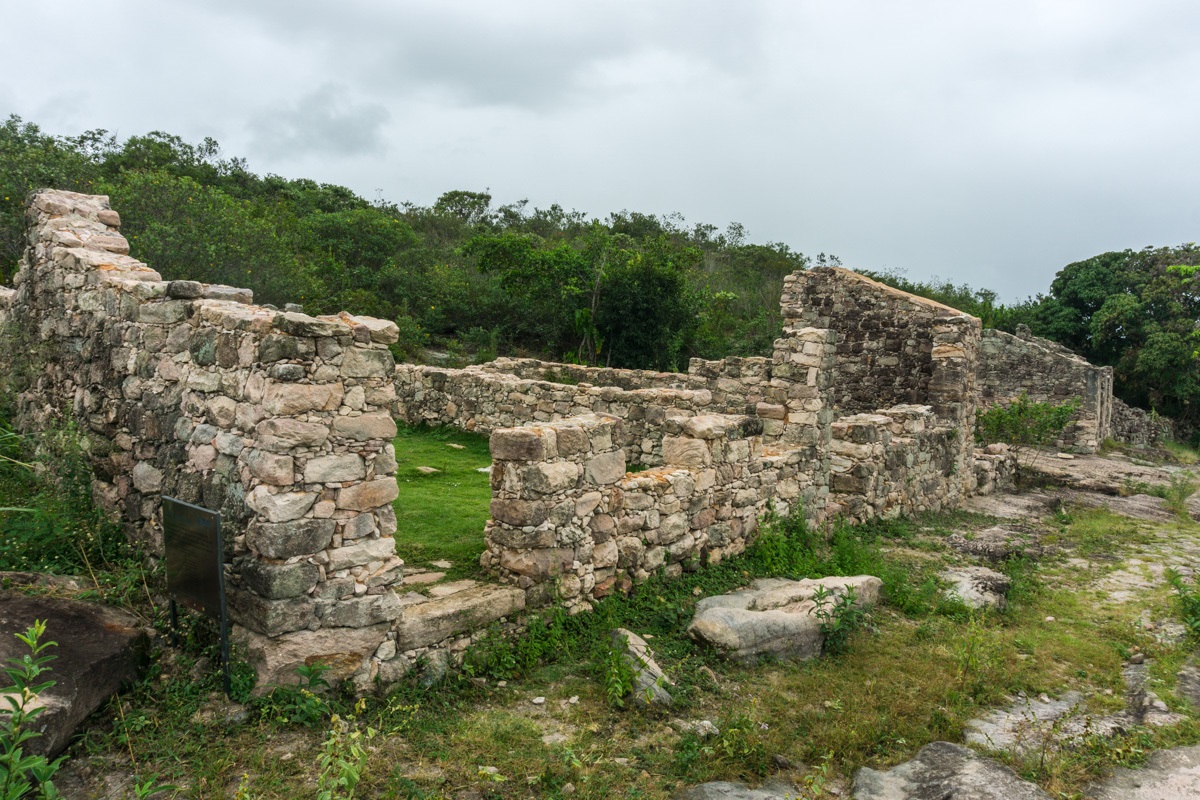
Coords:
322,122
986,142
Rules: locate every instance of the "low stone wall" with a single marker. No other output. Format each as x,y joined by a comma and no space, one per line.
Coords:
895,461
481,400
1137,427
1047,372
570,525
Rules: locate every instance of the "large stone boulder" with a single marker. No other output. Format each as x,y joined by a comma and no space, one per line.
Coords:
940,771
774,617
98,650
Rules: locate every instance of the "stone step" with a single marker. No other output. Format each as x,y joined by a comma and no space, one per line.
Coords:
425,624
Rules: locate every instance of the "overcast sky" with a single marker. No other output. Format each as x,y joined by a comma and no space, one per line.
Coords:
986,142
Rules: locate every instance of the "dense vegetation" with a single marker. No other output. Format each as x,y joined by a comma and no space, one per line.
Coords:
631,290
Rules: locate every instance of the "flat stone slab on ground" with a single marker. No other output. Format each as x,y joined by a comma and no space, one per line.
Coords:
99,649
999,543
977,587
724,790
1167,775
774,616
945,771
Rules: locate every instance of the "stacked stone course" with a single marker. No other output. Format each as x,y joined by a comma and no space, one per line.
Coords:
1047,372
278,420
284,422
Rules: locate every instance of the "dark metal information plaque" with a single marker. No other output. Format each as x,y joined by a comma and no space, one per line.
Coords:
196,565
195,572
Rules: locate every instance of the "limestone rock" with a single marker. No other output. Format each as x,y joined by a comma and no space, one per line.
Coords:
365,426
287,399
426,624
279,581
999,543
774,617
1167,775
724,790
363,553
649,680
282,506
99,649
344,650
943,770
289,539
277,470
368,495
335,468
977,587
281,435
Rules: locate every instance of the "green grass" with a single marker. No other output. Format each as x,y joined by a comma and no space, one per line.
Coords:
442,515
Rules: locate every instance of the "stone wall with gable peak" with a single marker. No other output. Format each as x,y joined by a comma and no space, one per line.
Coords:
279,420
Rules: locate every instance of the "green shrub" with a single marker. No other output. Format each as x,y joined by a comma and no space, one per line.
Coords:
21,775
1024,423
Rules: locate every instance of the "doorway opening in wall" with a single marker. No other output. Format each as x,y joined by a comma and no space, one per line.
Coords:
445,495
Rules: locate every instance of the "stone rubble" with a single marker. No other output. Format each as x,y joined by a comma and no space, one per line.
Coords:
774,617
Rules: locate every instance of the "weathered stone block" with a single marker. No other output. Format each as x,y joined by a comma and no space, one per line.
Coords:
606,468
365,426
279,581
553,477
146,477
281,435
277,470
426,624
685,451
282,506
520,513
334,469
167,312
287,399
368,495
289,539
361,553
361,612
303,325
520,444
361,363
270,617
538,564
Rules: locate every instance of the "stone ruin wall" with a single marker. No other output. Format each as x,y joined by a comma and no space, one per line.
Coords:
279,420
1049,373
284,423
724,443
1141,428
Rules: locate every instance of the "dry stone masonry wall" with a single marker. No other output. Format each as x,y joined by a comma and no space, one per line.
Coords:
601,477
279,420
1047,372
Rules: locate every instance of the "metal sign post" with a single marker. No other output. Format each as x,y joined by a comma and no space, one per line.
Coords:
196,567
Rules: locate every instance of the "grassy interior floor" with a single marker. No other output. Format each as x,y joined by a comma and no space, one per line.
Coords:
440,515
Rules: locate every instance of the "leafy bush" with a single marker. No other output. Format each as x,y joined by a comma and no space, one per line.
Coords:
54,527
1024,423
